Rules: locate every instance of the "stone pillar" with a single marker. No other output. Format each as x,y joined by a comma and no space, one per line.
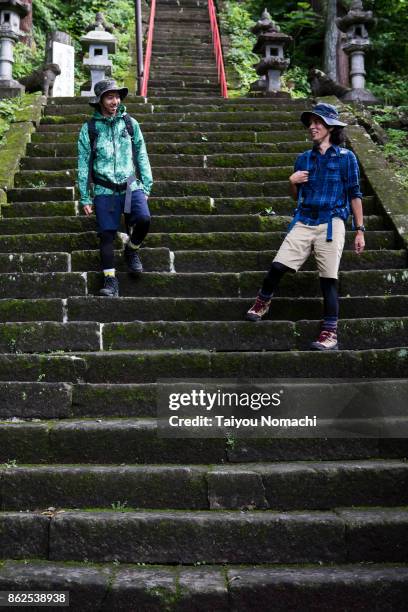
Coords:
11,12
60,50
354,24
270,46
98,42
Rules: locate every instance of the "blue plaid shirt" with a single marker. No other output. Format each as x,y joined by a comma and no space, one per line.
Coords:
334,180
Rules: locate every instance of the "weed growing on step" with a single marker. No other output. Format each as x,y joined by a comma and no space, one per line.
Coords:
9,464
231,441
119,506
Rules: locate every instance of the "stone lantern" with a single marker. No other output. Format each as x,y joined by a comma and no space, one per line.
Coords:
354,24
11,12
98,42
270,45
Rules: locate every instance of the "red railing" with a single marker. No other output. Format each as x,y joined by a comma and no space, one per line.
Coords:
149,45
217,48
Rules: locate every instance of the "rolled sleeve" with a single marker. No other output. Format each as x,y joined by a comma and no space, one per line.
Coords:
353,178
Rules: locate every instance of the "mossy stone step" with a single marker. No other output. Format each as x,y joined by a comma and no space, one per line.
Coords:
38,209
179,160
269,102
42,285
137,441
34,262
201,148
154,124
354,334
210,309
239,241
279,486
120,367
67,177
255,117
107,587
31,309
73,109
168,223
46,337
247,241
233,261
38,194
379,535
169,136
213,284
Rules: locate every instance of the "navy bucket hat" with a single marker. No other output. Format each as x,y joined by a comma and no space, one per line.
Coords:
327,112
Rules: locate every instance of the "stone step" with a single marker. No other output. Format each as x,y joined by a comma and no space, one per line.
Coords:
209,309
61,150
38,209
64,178
218,120
238,241
38,400
191,309
206,261
354,334
346,535
157,260
204,135
307,486
40,285
271,103
46,194
178,205
241,160
106,587
119,367
254,188
31,309
136,440
43,337
168,223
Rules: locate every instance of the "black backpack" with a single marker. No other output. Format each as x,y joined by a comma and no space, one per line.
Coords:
93,137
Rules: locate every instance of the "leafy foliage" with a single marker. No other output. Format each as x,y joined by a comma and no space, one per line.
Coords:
8,107
73,17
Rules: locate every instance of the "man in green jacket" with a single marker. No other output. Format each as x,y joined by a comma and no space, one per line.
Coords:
112,155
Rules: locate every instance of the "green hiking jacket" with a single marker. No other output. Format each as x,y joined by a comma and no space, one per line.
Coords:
114,161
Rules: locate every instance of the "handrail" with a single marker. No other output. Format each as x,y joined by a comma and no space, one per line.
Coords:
217,48
148,56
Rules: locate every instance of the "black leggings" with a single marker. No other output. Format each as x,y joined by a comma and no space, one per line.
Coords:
107,237
327,285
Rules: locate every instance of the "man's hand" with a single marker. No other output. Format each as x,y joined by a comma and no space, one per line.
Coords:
301,176
88,209
359,242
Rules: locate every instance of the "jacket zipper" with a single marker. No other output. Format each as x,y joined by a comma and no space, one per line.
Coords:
114,152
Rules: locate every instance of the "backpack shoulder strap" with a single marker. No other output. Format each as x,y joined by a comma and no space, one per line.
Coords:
129,126
93,137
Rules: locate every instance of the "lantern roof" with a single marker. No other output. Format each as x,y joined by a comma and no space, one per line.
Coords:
356,15
18,6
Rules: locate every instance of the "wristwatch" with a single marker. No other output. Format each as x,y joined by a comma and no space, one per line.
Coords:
360,227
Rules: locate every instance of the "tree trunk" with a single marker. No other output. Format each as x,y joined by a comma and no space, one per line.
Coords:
330,40
26,25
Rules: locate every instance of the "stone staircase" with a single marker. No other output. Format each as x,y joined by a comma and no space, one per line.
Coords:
92,500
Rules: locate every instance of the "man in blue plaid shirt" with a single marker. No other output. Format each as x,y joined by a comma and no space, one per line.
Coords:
325,183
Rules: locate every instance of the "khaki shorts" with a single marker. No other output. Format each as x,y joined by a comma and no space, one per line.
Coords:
300,241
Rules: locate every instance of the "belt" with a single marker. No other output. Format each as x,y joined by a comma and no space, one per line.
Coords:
118,187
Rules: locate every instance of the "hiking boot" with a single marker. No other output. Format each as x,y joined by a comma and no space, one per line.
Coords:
110,287
258,310
133,260
327,341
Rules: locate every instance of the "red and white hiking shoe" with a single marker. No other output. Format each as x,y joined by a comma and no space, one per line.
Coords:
258,310
327,341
